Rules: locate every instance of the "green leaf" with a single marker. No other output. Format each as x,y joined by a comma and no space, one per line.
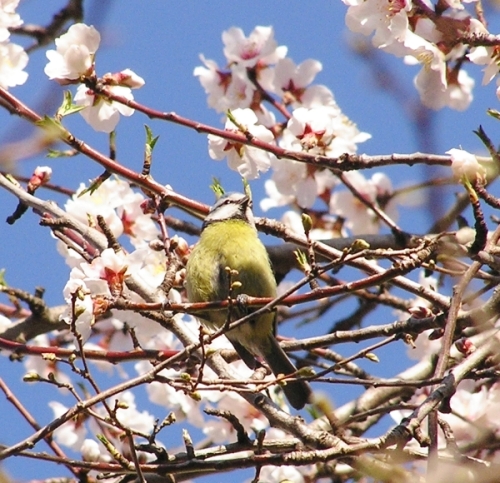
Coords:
307,223
67,107
494,113
53,129
56,153
95,184
217,188
150,140
3,282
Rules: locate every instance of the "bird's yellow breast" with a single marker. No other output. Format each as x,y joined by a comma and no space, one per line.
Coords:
233,244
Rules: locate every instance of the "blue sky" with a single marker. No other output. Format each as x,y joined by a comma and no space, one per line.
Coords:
161,41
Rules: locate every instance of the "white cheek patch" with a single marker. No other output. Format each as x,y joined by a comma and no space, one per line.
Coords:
224,212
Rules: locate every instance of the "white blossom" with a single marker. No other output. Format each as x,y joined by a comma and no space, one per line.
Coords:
247,160
91,450
291,81
75,53
13,59
359,218
8,18
100,113
465,164
483,55
259,47
71,433
225,89
322,130
389,20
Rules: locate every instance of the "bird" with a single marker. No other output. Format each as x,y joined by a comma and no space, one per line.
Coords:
230,259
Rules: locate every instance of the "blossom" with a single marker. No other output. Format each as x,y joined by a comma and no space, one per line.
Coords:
110,267
8,18
258,48
222,431
13,59
71,433
293,181
317,96
359,218
75,53
88,286
131,417
117,203
46,367
226,89
437,85
40,176
91,450
119,206
423,41
126,78
289,474
388,18
483,55
148,265
74,60
80,307
247,160
318,130
465,164
291,81
100,113
309,130
322,130
290,181
293,220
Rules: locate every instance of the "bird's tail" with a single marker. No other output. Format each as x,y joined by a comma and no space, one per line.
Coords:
298,393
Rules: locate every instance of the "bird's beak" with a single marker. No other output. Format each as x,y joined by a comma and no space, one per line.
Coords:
245,202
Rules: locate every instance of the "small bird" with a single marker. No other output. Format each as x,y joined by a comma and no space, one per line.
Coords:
229,240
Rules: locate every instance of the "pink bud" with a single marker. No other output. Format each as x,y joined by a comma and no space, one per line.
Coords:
40,176
126,78
465,346
420,312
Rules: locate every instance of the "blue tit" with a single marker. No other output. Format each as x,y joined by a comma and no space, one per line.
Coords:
229,239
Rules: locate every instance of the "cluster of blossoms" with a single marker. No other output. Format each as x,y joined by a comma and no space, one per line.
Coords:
474,406
91,285
257,71
13,58
74,63
414,31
